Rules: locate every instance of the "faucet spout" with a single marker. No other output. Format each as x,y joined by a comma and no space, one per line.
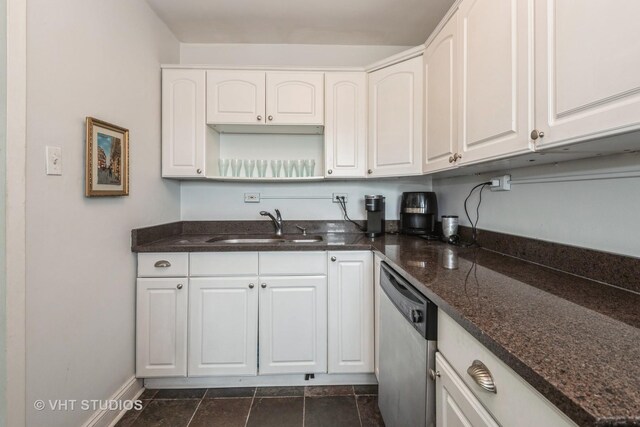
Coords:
277,220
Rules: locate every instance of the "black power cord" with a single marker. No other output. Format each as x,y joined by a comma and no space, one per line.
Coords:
343,206
474,225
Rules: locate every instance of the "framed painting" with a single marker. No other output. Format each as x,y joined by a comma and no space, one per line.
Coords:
107,162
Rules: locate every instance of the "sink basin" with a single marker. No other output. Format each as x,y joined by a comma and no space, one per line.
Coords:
239,239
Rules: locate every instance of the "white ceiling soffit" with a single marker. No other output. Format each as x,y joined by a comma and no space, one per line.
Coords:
343,22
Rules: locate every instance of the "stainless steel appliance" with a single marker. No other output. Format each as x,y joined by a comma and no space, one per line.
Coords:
419,213
374,205
408,328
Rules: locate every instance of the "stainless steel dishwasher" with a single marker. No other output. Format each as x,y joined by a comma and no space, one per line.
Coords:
408,327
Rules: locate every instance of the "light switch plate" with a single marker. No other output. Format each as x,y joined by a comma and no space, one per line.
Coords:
54,160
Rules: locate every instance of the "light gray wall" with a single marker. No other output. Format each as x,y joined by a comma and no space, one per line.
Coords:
600,214
102,59
296,201
284,54
3,157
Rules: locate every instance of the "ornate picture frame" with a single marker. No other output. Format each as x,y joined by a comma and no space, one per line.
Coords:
107,159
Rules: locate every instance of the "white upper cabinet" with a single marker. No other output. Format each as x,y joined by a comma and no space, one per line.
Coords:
351,317
183,123
587,62
345,132
496,39
441,102
395,119
295,98
223,326
236,97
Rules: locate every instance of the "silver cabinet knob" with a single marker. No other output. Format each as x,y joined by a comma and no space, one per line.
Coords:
482,376
251,285
199,171
179,286
369,171
434,374
535,134
329,171
270,118
259,118
451,159
163,263
264,285
333,259
457,157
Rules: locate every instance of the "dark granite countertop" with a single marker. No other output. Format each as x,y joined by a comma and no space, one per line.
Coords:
574,340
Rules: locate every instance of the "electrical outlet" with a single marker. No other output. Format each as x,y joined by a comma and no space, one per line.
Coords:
501,183
336,195
252,197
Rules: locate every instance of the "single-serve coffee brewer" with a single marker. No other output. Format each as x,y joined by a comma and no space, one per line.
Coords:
374,205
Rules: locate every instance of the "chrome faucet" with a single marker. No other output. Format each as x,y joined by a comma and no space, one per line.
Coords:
277,221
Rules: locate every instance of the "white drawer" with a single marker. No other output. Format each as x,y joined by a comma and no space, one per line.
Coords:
224,264
515,401
293,263
163,264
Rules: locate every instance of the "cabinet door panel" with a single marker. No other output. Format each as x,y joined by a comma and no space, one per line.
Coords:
295,98
587,58
236,97
377,260
161,328
395,119
496,73
293,325
345,133
456,406
223,333
351,342
183,123
441,103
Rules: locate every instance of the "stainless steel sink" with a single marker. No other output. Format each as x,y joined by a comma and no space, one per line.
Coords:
240,239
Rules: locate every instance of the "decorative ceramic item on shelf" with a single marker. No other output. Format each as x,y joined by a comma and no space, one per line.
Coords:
276,166
236,164
311,167
249,166
107,162
262,167
223,166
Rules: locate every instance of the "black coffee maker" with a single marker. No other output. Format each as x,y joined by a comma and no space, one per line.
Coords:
374,205
419,213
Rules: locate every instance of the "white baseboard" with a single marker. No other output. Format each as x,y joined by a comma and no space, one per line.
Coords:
130,390
260,381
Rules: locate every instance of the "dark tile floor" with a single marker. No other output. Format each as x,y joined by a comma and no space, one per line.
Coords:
313,406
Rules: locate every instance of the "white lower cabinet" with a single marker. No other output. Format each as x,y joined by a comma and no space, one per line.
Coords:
223,326
351,342
293,324
456,406
161,327
377,260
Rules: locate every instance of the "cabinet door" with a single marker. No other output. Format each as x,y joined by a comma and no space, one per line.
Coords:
293,325
395,119
456,406
161,328
295,98
236,97
376,313
223,326
441,103
587,61
496,39
345,132
351,344
183,123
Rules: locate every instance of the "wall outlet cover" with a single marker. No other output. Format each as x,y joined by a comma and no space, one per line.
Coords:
336,195
54,160
252,197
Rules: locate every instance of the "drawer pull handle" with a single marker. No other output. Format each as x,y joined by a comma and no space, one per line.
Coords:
482,376
162,264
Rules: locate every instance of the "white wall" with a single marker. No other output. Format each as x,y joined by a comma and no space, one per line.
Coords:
225,200
3,158
283,54
598,214
102,59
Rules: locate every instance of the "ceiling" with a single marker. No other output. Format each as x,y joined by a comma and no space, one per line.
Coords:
344,22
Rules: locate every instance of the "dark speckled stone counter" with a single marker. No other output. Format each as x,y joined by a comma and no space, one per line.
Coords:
574,340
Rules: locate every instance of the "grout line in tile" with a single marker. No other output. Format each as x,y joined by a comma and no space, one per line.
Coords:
197,407
246,421
358,408
304,406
